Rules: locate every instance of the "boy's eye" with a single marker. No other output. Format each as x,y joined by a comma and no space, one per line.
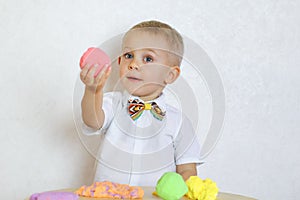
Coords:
128,55
148,59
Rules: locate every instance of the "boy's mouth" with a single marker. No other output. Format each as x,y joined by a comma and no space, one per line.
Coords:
132,78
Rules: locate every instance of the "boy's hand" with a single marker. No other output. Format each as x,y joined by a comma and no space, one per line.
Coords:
92,82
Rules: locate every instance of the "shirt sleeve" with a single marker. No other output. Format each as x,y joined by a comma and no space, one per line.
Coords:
110,100
186,144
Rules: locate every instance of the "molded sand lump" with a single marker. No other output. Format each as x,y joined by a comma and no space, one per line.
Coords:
201,189
171,186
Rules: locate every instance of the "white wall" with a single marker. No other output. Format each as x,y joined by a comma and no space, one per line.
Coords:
254,45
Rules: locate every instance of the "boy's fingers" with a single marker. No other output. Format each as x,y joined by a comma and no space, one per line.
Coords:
100,74
102,69
107,72
101,79
91,71
87,75
84,71
105,75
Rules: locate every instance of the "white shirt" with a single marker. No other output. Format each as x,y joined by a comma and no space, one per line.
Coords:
139,152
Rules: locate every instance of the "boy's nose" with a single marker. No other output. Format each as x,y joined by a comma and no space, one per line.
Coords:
132,66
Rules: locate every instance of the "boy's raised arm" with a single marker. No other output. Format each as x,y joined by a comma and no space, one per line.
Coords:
91,104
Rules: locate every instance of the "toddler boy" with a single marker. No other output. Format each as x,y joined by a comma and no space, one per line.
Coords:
144,137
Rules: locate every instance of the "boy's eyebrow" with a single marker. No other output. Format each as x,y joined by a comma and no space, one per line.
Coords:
126,49
147,49
153,51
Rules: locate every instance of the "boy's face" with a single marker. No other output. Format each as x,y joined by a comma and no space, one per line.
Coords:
145,67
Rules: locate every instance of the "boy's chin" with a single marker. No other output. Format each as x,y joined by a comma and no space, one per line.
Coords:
144,96
147,92
135,93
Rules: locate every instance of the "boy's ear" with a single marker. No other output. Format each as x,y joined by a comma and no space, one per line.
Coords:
173,74
119,60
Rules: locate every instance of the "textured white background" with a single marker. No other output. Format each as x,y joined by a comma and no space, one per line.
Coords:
254,45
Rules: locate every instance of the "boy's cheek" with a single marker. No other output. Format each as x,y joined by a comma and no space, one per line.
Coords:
122,72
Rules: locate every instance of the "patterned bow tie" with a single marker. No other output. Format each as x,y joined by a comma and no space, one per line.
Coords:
136,108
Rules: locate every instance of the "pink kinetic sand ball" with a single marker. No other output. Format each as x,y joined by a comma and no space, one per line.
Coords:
94,56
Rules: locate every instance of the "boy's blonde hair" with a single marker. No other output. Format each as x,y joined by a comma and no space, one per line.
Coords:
171,35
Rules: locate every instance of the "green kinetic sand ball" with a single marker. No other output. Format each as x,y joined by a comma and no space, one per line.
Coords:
171,186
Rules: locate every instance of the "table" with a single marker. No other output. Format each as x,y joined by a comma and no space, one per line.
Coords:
148,195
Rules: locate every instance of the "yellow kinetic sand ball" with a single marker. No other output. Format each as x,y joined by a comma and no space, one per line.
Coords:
211,189
199,189
196,188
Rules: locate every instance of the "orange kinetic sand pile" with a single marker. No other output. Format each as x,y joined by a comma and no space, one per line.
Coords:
108,189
